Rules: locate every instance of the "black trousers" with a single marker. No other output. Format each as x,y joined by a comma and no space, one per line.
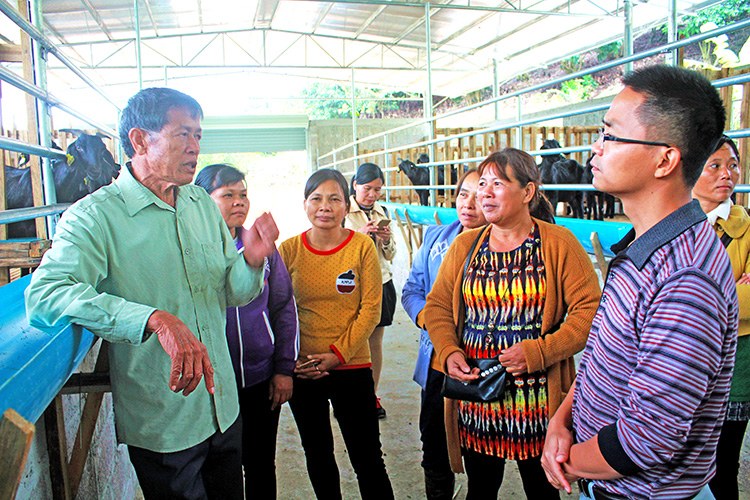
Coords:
211,470
259,429
352,395
724,483
432,426
485,475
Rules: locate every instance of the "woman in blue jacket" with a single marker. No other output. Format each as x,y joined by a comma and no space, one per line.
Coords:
263,339
439,479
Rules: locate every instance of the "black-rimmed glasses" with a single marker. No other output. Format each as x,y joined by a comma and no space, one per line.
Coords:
609,137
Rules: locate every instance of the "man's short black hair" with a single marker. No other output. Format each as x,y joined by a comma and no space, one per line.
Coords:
683,109
148,110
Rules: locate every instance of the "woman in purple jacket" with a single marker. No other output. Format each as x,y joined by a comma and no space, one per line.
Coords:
263,339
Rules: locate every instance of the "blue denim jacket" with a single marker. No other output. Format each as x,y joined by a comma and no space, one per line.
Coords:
424,270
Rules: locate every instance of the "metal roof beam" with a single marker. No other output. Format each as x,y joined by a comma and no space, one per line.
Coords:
369,20
283,66
322,16
264,13
200,15
484,8
523,26
226,32
151,16
416,24
90,8
463,30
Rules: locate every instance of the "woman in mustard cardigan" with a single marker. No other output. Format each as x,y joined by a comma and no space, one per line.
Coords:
529,296
732,223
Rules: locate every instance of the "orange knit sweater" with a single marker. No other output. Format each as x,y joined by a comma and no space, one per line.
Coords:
572,292
338,295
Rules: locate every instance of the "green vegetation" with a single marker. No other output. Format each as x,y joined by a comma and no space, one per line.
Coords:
332,100
610,51
722,14
579,89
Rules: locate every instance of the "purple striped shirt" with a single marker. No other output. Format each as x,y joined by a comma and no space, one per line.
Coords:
654,378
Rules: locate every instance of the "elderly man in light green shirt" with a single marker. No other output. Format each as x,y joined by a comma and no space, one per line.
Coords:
148,264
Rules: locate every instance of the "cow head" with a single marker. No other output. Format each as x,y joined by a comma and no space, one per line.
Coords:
89,157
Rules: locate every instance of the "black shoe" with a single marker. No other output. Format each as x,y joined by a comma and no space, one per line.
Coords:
439,485
379,410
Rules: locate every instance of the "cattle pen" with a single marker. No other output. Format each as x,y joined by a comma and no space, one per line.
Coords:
39,370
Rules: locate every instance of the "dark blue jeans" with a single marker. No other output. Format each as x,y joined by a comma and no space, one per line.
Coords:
260,426
352,395
211,470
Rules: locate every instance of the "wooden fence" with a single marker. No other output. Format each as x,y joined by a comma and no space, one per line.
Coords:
475,146
736,102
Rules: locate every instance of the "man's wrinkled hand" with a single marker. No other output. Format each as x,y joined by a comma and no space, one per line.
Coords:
189,356
260,240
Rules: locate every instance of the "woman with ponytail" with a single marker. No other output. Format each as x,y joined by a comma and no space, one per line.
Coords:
521,290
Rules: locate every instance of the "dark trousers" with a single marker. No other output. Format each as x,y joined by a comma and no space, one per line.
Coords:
439,478
724,483
260,426
485,475
352,395
211,470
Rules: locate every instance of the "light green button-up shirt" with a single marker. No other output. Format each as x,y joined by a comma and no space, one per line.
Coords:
117,256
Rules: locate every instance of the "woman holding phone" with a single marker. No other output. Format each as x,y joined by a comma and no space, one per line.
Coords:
336,279
368,217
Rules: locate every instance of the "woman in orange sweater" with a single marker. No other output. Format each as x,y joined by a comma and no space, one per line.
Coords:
527,297
336,278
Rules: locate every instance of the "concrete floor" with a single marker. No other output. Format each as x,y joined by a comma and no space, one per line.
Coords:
399,434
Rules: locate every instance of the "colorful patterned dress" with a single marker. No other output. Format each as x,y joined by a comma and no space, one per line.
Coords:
504,294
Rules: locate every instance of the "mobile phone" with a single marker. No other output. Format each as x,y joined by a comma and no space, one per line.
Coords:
383,223
309,364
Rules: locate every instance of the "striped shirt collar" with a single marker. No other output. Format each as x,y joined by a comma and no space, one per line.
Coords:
640,250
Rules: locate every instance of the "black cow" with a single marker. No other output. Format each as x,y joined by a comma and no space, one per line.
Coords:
568,172
420,176
595,200
90,166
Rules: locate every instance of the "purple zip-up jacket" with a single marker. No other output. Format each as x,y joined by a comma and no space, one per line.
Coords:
263,336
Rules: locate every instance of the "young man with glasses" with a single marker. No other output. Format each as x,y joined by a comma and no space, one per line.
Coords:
644,416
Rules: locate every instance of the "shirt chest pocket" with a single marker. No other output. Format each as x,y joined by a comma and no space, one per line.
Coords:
214,274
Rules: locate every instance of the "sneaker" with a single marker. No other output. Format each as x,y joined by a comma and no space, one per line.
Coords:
379,410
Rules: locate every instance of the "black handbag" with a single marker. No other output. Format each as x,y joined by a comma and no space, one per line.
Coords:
491,382
487,388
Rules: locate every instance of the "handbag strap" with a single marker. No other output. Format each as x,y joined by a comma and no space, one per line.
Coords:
726,239
466,268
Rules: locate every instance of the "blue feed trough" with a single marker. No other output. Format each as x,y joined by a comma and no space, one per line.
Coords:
34,364
609,232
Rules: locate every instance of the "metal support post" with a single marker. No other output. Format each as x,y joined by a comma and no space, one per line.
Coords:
354,118
495,88
519,131
627,39
428,99
672,30
138,45
43,115
387,165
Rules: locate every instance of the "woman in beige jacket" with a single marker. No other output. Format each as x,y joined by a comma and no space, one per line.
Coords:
367,216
